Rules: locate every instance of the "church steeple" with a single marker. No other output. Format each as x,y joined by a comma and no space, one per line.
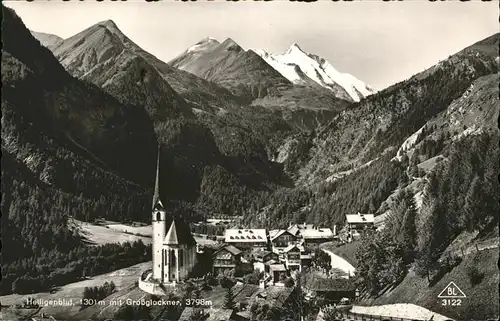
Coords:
157,204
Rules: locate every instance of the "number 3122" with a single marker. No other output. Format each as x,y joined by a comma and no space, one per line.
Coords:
451,302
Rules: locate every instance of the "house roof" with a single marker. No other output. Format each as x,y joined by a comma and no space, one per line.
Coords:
260,253
291,247
245,236
231,249
277,267
317,233
275,296
296,228
333,285
310,231
271,262
359,218
213,314
272,233
279,233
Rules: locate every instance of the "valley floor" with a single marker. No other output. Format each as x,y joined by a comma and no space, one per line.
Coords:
115,232
124,280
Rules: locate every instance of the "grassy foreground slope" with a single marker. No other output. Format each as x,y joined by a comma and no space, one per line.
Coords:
480,304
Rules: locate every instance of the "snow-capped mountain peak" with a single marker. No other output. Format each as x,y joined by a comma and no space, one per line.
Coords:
294,48
301,67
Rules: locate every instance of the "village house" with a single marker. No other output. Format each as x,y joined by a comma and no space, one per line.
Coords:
333,290
246,238
278,273
295,228
275,297
281,239
262,259
317,235
305,260
359,222
311,234
225,259
264,256
292,258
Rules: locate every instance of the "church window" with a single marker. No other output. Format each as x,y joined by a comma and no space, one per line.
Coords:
172,258
158,216
181,258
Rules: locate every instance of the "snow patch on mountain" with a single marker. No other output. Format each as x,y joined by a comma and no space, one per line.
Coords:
300,67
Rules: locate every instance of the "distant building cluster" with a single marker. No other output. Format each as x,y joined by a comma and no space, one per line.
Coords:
277,254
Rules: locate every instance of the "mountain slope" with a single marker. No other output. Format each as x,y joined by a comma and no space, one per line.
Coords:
384,120
67,149
250,77
301,68
194,53
48,40
103,55
452,169
69,110
242,72
86,54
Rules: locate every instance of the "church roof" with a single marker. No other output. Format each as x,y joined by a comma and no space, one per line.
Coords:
178,233
157,204
171,237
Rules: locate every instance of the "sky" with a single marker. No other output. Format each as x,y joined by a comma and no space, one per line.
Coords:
380,43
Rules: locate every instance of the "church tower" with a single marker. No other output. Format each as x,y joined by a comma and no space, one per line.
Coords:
159,224
174,247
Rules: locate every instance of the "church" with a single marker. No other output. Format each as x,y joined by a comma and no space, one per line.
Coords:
174,248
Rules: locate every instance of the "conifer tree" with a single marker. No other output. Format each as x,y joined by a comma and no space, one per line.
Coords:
229,299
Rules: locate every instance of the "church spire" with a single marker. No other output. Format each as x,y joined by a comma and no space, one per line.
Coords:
156,195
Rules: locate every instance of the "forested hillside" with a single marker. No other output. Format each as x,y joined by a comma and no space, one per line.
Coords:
68,149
